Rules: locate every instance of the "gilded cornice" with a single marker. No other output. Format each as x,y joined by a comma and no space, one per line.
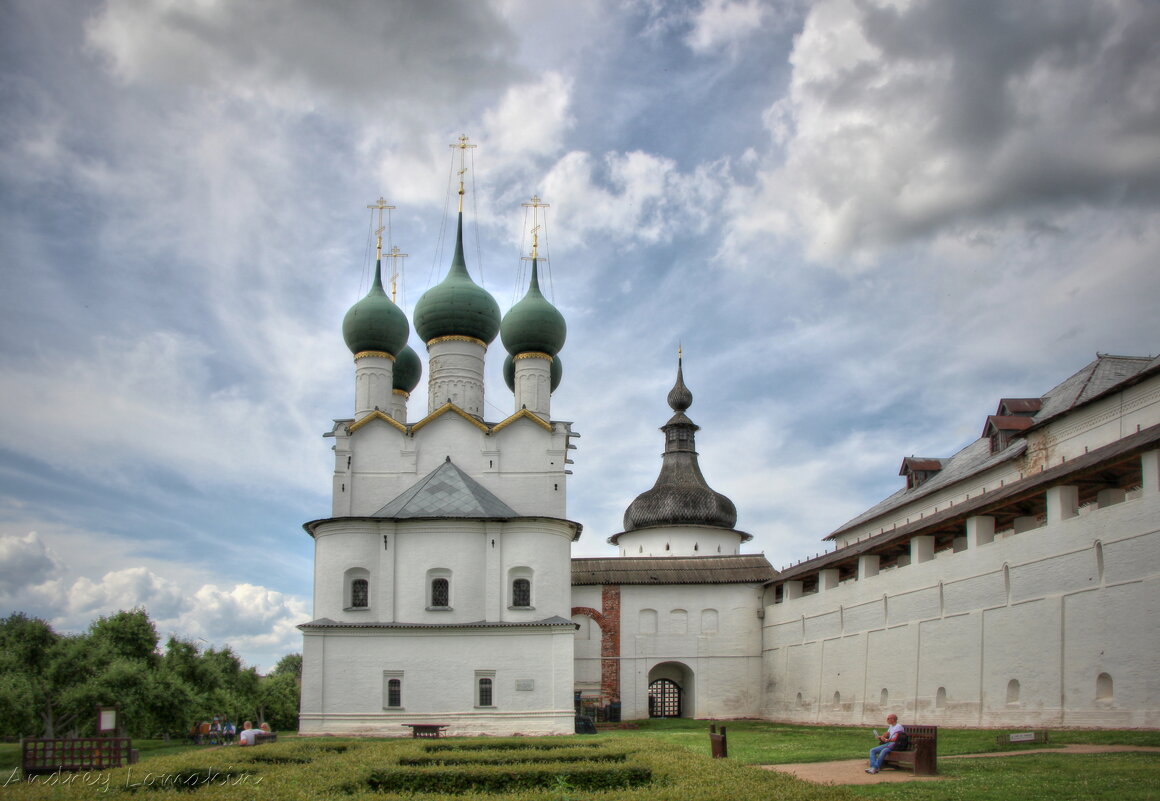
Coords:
406,395
456,338
364,354
376,415
450,407
532,354
535,418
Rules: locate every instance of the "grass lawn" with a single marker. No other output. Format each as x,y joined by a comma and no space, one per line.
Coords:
308,768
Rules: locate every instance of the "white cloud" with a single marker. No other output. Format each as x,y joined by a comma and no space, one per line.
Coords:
720,23
906,120
128,588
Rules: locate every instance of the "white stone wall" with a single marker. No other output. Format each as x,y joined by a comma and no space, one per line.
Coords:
478,558
717,638
345,672
680,541
1052,609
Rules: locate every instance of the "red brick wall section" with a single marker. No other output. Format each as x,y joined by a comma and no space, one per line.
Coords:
609,621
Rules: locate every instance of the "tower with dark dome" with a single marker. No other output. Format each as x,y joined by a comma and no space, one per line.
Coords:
533,332
376,331
681,515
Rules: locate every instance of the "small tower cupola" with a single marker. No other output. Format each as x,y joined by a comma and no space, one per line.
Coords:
375,330
533,332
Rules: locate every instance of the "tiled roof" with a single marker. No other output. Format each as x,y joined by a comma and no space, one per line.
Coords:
738,569
446,492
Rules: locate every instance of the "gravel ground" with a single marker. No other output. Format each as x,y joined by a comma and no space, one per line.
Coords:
853,771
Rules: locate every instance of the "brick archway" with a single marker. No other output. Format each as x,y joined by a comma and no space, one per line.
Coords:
608,619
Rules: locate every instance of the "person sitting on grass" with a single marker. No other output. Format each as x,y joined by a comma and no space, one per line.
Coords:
886,743
248,734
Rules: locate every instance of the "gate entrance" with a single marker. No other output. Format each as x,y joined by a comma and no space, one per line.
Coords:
664,699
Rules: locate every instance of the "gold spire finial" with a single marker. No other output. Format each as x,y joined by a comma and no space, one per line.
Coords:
381,205
535,206
395,255
680,353
463,148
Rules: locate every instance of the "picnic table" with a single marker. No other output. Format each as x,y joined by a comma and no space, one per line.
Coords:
433,730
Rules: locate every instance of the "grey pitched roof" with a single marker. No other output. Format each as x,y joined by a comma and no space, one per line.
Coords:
1105,374
446,492
737,569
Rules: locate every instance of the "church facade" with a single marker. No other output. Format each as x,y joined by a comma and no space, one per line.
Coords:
1015,583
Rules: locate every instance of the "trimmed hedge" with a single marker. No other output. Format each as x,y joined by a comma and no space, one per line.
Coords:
576,776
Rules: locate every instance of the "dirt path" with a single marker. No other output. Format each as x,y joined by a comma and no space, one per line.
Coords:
853,771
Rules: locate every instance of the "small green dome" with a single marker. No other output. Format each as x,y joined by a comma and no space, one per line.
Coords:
555,373
533,324
408,369
457,306
375,322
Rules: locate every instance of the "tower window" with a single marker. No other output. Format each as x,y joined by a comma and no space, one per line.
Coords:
521,592
440,593
359,593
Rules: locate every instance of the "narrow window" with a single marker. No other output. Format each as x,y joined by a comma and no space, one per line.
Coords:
485,692
1013,691
359,593
884,698
940,698
395,693
521,592
440,592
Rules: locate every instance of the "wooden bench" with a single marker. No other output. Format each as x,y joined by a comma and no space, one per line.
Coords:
922,753
265,737
39,757
432,730
718,744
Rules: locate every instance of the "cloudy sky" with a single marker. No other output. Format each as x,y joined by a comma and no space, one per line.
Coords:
864,221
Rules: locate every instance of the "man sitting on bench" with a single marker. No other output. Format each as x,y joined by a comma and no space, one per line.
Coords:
887,743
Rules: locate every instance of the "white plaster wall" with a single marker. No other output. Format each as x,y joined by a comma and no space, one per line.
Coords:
1051,608
343,682
522,463
725,663
679,541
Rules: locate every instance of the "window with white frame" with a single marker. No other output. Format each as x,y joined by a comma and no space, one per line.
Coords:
485,688
356,589
439,589
392,689
520,583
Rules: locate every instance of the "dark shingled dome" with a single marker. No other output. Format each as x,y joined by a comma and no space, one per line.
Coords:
680,496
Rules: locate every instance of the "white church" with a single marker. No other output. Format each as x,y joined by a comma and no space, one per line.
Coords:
1014,583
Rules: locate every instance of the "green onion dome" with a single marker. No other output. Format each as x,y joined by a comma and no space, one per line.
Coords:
555,373
408,370
533,324
457,306
375,322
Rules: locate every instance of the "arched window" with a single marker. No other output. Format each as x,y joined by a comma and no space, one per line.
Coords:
484,691
521,592
940,698
360,593
520,580
1013,691
884,698
837,700
394,692
440,592
356,588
